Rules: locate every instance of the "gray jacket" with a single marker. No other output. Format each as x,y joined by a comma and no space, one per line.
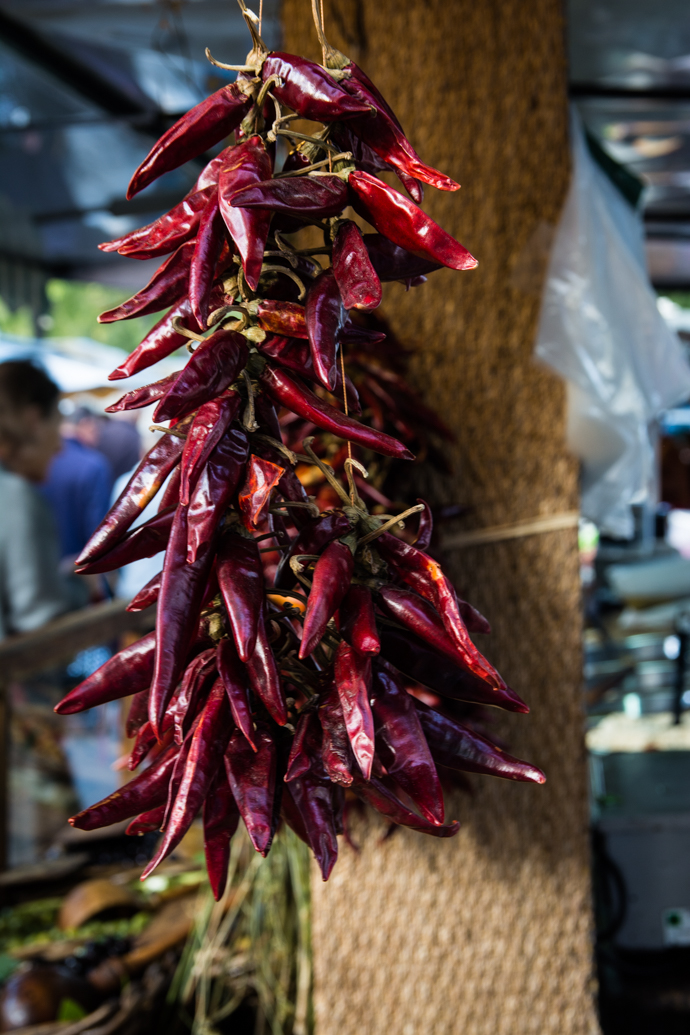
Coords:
32,591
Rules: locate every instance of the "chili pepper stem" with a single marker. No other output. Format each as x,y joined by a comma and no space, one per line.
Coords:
326,471
248,417
390,524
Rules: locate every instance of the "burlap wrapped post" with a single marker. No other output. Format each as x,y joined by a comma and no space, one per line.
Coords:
490,932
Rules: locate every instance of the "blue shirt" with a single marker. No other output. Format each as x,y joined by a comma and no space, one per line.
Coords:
77,490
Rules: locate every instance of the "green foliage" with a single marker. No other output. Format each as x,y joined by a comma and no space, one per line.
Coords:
679,297
37,922
70,1010
74,308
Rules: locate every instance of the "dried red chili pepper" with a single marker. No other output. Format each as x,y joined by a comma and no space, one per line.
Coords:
147,822
325,317
459,747
216,486
161,340
146,791
206,430
165,234
255,494
401,745
306,745
295,355
403,223
137,494
147,595
353,681
446,677
139,397
144,541
253,778
330,583
308,89
199,677
336,752
319,196
264,676
213,367
166,287
359,285
425,528
241,580
179,605
316,534
280,317
391,262
208,737
312,797
127,672
221,818
139,708
358,621
201,128
285,391
202,269
375,793
248,163
235,681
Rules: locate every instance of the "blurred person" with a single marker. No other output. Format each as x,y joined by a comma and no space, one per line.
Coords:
117,439
77,489
31,590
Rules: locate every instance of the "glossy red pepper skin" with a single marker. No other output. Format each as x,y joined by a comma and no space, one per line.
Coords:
139,397
212,368
375,793
360,335
424,574
201,128
325,317
147,595
255,495
165,234
290,813
473,619
264,676
144,541
144,792
305,750
391,262
458,747
449,678
198,678
281,317
146,739
221,819
208,739
358,621
295,355
403,223
241,580
401,745
253,777
317,533
137,494
127,672
308,89
352,672
425,529
170,496
138,711
331,581
208,427
312,797
166,287
235,681
147,822
358,282
179,605
318,196
336,751
207,248
248,163
161,340
285,391
216,486
381,130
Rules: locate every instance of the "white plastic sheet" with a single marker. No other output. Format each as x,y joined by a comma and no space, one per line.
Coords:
601,330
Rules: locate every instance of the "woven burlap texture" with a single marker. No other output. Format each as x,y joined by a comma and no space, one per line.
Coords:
490,932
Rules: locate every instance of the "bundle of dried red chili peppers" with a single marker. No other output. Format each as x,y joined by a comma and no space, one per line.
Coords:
268,702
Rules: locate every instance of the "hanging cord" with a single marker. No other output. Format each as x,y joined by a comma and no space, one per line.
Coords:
261,14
